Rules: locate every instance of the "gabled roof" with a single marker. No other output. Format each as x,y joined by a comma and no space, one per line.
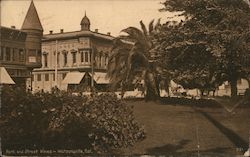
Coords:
32,20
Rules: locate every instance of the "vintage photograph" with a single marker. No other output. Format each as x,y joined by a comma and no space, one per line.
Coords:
146,78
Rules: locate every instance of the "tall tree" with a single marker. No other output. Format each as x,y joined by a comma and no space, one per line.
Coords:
132,60
221,26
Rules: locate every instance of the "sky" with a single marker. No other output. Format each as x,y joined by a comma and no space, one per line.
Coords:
105,15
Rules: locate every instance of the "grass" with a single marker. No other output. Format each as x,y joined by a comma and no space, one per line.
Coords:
178,129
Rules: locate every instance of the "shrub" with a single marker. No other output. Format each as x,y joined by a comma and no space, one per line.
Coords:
247,93
61,120
108,122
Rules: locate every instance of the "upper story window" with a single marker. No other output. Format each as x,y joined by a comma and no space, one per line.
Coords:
21,55
86,57
45,60
106,60
7,54
32,56
73,57
100,60
65,58
82,56
1,53
57,57
14,54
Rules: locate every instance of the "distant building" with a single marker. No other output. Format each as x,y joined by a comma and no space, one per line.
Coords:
21,49
75,54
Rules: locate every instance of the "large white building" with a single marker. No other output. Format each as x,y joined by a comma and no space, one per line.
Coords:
69,59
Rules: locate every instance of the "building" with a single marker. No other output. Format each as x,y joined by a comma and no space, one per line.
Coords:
21,48
69,59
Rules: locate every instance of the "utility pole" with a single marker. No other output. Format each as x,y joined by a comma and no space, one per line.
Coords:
56,55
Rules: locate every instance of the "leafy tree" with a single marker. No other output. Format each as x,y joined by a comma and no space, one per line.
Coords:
221,26
133,60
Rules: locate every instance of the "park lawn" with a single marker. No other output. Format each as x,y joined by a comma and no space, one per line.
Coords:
179,129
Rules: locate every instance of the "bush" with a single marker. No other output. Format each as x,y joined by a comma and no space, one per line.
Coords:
247,93
61,120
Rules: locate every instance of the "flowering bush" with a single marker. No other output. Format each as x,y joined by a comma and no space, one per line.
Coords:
61,120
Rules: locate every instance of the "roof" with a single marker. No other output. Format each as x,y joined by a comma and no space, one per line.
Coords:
101,78
12,34
73,78
32,20
85,20
75,34
5,77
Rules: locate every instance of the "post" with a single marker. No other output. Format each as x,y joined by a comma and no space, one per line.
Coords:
1,117
56,64
31,83
1,86
92,70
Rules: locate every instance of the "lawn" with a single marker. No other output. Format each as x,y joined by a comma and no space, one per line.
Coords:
181,129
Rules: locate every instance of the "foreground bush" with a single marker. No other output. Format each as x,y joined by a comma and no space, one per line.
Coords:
61,120
247,93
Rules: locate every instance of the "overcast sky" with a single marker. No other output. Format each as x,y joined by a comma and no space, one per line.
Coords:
105,15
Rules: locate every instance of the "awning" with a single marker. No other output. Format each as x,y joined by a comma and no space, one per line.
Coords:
100,78
73,78
5,77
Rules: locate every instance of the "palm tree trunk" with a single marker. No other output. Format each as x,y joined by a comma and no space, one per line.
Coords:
233,84
153,90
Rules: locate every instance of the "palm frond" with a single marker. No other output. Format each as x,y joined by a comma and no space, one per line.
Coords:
151,26
136,35
143,27
158,24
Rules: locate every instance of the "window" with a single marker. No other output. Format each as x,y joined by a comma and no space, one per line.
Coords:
86,57
13,54
82,56
21,55
7,56
100,61
39,78
65,56
106,60
90,56
74,57
57,56
46,77
1,53
45,57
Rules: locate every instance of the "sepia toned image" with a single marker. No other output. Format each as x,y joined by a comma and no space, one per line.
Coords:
165,78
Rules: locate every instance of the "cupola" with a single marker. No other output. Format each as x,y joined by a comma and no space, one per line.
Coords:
85,23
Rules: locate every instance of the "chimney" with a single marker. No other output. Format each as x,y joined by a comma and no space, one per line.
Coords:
96,30
108,33
51,32
61,30
14,27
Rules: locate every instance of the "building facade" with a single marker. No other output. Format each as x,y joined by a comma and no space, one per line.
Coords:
20,49
83,51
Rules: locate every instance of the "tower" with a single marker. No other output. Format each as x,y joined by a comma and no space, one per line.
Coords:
32,26
85,23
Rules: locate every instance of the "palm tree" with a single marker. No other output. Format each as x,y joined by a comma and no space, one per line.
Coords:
133,60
